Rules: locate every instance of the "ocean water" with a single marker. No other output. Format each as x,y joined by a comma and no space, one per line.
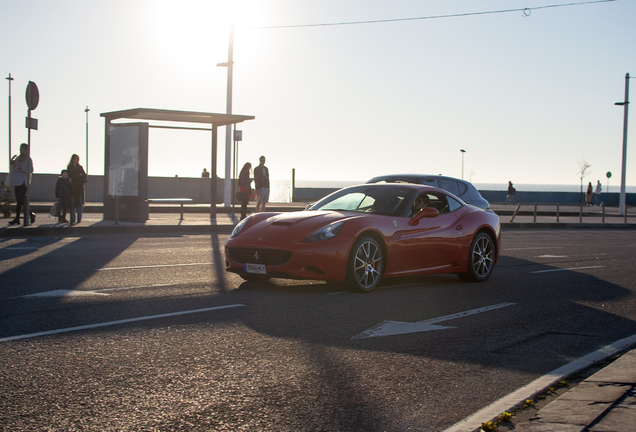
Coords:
280,190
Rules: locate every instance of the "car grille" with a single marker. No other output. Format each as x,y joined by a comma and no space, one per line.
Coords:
269,257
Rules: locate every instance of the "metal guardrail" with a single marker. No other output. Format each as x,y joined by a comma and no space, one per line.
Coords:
558,213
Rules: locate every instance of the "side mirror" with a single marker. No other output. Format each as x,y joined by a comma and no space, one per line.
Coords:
428,212
308,206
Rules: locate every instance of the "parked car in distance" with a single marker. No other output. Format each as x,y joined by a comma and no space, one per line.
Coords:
460,188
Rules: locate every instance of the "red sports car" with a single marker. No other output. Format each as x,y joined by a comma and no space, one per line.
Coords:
361,234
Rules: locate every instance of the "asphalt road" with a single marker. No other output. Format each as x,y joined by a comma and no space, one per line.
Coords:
132,333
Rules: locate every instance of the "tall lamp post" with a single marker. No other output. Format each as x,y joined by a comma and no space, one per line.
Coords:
463,151
10,79
625,104
227,185
86,111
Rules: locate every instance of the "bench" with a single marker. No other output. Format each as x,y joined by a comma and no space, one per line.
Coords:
181,201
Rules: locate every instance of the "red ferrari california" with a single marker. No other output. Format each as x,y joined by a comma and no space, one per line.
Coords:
362,234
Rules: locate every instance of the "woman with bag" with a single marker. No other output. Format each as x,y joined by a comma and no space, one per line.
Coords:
78,178
21,169
245,188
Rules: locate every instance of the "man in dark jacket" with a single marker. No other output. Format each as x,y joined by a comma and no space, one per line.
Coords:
261,184
62,196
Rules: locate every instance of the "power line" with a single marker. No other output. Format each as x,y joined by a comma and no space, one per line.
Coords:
526,11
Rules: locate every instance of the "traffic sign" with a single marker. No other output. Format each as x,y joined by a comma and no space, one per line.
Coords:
32,95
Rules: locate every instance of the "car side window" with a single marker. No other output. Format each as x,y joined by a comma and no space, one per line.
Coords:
429,182
449,185
438,201
453,204
463,188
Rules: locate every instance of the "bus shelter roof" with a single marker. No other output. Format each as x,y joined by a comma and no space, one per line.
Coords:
176,116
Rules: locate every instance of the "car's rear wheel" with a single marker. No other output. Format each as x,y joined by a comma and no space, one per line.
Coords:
365,266
481,259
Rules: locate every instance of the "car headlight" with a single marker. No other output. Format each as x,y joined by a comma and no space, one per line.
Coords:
239,227
325,233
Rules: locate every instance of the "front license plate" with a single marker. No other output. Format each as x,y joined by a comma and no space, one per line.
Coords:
255,268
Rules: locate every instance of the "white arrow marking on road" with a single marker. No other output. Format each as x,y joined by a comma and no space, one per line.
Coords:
390,328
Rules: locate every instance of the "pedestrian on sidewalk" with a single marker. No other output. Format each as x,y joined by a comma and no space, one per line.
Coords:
597,193
21,170
62,196
261,184
511,193
245,188
78,178
588,194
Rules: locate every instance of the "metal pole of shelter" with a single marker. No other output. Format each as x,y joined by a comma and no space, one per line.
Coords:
623,201
215,133
10,79
86,161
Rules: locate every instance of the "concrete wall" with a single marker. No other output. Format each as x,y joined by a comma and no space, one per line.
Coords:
43,188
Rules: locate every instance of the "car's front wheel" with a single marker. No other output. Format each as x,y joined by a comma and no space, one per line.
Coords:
365,266
481,259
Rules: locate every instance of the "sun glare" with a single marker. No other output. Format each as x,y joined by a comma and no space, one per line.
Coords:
195,33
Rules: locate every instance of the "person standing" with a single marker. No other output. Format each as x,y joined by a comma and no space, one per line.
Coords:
205,173
21,170
78,178
261,184
62,196
511,193
245,187
588,194
597,193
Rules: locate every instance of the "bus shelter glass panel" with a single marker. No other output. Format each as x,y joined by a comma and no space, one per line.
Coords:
123,178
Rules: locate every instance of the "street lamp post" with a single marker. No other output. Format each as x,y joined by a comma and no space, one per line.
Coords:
622,202
86,111
463,151
10,79
227,185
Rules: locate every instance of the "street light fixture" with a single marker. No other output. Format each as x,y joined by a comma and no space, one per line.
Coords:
625,104
463,151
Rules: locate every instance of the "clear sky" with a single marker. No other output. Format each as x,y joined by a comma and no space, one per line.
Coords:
527,97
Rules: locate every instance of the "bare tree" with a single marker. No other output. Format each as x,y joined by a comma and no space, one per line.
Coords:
584,171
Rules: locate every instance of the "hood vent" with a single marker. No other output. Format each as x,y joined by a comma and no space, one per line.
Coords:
282,224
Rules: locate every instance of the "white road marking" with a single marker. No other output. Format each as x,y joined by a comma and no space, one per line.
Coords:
152,266
539,247
112,323
390,328
63,293
565,269
516,398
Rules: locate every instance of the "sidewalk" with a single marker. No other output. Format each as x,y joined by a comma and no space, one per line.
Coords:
165,218
604,402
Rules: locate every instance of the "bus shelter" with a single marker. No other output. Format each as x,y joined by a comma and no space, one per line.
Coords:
126,156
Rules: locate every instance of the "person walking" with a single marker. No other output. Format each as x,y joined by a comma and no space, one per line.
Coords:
245,187
588,194
62,196
78,178
21,170
511,193
597,193
261,184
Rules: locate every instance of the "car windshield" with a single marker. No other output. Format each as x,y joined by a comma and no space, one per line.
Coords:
367,199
